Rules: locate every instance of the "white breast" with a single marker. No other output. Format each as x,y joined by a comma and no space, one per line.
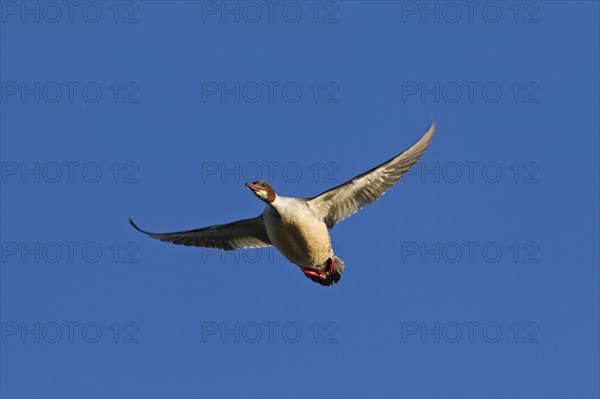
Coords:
297,233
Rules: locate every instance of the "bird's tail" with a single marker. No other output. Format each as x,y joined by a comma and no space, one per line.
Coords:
339,269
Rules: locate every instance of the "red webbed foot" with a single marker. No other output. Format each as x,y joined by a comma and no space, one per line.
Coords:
316,273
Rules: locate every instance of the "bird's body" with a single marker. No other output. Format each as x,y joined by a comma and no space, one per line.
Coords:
297,232
299,227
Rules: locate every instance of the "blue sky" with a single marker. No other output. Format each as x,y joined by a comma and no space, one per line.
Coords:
475,276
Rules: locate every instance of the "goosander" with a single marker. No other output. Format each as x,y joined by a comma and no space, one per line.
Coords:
299,227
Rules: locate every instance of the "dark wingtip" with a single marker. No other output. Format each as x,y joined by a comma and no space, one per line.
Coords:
131,222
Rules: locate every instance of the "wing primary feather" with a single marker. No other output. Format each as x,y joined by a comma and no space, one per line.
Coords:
246,233
338,203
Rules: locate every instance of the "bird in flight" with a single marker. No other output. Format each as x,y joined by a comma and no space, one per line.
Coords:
299,227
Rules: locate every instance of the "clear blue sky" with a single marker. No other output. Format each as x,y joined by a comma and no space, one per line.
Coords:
477,276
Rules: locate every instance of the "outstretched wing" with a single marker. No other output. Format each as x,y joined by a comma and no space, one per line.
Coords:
346,199
247,233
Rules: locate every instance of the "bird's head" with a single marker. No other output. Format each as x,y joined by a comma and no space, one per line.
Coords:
262,190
